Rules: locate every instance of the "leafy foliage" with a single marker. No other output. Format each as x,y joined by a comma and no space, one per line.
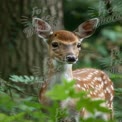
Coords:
24,79
27,109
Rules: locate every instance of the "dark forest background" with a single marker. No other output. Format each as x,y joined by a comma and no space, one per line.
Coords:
22,52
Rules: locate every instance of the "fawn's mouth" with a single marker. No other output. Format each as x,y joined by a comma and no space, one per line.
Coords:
67,60
72,62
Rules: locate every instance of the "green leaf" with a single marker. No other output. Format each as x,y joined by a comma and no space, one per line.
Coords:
24,79
62,91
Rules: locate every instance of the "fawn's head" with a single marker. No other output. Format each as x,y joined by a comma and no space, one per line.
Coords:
64,46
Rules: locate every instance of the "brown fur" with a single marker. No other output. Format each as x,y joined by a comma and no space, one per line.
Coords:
64,36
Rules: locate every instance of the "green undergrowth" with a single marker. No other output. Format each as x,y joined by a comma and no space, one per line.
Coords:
18,103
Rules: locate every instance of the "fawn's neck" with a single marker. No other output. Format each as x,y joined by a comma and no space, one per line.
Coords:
59,71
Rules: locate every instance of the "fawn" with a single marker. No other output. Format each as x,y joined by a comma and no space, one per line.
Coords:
63,50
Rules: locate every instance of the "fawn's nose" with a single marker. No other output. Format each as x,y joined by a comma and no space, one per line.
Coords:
71,58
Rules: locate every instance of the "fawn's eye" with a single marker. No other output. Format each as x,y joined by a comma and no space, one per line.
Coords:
55,44
79,45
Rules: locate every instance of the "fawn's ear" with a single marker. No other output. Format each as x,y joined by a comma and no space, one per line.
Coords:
42,28
87,28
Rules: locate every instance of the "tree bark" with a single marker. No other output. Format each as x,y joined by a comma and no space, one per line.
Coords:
19,54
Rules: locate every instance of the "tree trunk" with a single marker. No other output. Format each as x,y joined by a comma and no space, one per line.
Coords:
19,54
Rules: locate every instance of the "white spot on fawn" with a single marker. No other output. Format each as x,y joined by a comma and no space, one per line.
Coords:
112,87
78,86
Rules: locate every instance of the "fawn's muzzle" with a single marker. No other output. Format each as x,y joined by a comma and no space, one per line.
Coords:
71,58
